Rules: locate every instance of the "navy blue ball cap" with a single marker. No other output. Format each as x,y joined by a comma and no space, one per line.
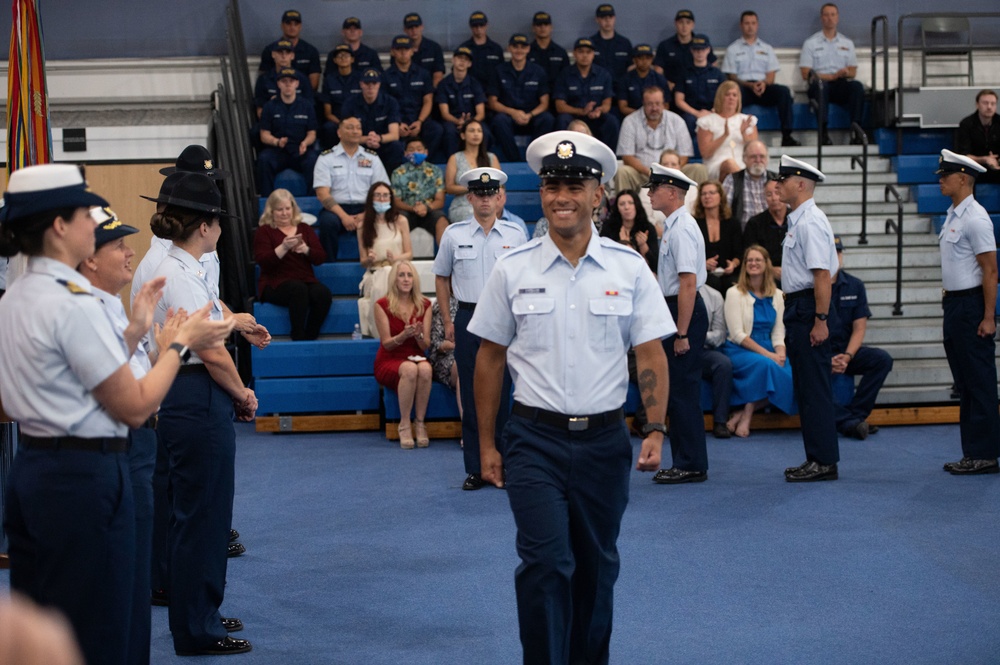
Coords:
604,10
291,16
640,50
701,41
401,41
288,73
477,18
352,22
541,18
583,42
36,189
571,155
518,39
371,76
412,20
282,45
109,227
196,159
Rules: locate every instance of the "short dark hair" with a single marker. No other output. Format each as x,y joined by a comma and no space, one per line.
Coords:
748,12
985,91
829,4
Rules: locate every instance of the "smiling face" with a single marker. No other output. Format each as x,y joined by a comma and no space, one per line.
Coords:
404,278
569,204
113,263
755,262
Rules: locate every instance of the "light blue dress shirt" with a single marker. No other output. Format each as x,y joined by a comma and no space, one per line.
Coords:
967,232
187,287
682,249
468,254
750,62
808,246
827,56
349,177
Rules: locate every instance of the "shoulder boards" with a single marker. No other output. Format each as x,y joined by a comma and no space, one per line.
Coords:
74,288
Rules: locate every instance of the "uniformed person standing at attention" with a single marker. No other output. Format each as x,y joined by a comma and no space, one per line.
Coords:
681,272
809,260
969,277
464,261
66,380
562,312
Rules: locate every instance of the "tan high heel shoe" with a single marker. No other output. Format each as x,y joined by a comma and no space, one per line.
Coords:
422,439
405,438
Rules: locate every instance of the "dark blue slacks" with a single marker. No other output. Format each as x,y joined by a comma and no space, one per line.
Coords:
687,423
141,461
873,366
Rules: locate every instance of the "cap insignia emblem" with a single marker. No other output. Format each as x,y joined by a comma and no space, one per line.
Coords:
565,150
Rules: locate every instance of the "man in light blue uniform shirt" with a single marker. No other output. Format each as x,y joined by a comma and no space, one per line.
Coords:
562,312
468,251
809,261
681,272
969,278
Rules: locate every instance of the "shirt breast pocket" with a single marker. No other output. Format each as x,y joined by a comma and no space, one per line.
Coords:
534,316
465,261
607,322
788,242
953,236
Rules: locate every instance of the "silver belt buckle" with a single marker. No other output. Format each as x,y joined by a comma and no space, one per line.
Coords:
579,424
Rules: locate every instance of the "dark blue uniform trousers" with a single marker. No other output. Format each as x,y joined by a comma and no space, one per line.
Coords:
812,380
504,129
568,492
873,366
466,348
332,231
71,525
196,426
159,559
778,96
272,161
141,461
973,366
848,92
717,369
687,423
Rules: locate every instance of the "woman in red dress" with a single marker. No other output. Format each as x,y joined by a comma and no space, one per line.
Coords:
403,321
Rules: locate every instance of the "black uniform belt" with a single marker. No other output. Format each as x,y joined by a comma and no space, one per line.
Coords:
197,368
795,295
673,299
471,306
101,445
974,291
571,423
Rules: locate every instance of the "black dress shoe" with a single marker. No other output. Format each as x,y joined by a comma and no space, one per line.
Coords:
860,431
224,647
720,431
233,535
235,549
232,625
793,469
675,476
972,467
473,482
789,141
812,472
159,597
872,429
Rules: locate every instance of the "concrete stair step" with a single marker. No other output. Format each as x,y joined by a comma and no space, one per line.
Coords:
927,394
910,351
886,273
910,309
912,292
904,330
922,372
878,240
855,178
875,207
885,257
848,223
851,193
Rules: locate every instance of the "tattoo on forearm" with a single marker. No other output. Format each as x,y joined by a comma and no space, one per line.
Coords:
647,388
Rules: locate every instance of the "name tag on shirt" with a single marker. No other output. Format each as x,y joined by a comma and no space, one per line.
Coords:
536,290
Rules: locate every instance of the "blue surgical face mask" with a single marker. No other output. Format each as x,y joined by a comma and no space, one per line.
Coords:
418,158
381,207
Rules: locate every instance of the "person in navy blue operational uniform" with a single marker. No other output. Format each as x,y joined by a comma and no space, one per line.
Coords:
809,260
611,50
365,57
288,132
694,90
545,52
428,53
413,88
969,278
673,54
69,512
632,84
561,312
469,249
486,53
519,98
460,98
195,425
266,87
584,92
681,272
849,299
380,118
306,59
339,84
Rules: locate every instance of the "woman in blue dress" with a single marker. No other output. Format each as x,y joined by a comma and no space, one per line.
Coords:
761,373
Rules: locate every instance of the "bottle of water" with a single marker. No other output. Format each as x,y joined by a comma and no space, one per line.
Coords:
357,332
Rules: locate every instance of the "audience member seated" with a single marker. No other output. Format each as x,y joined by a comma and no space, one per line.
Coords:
745,188
694,93
418,189
761,373
508,216
644,136
442,351
633,83
486,53
716,367
339,84
723,238
288,132
306,58
473,155
584,92
266,87
768,228
413,88
518,96
673,54
978,137
380,118
752,63
403,321
429,54
828,62
460,99
611,50
383,240
849,301
546,53
342,178
286,249
365,57
629,225
723,133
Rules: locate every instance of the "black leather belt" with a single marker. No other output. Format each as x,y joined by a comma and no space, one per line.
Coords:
471,306
102,445
974,291
571,423
804,293
673,299
197,368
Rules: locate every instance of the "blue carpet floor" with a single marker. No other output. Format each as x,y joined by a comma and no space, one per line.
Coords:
361,553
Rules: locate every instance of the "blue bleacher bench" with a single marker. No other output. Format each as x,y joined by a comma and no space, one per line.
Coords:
341,320
442,404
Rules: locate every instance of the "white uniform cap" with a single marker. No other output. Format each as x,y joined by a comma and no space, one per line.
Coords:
483,179
951,162
566,154
661,175
790,166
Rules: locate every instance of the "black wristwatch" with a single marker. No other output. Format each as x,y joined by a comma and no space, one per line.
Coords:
680,336
649,428
183,351
821,317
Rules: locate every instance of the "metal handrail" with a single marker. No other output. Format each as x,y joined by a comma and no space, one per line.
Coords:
897,226
882,20
857,132
820,110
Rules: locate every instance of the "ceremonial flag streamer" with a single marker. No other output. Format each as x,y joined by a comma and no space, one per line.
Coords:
29,140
